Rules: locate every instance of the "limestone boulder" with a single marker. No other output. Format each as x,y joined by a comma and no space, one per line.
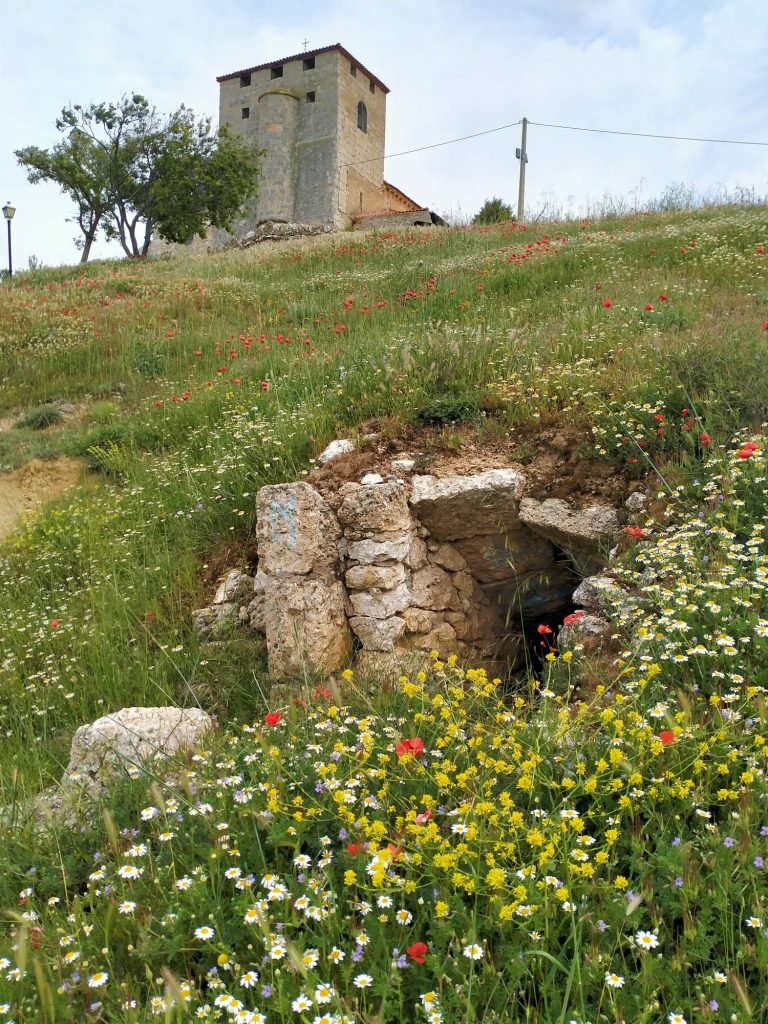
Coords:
377,634
462,506
420,620
254,610
375,577
235,588
380,604
602,594
381,549
591,531
305,625
417,554
215,621
297,532
375,508
341,446
447,557
132,737
433,588
582,629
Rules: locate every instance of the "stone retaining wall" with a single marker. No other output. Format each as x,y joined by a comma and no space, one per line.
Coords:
398,567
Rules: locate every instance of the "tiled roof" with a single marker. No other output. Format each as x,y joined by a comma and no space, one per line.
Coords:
303,56
402,196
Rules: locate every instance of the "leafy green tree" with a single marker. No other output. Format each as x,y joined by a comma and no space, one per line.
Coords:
493,211
132,172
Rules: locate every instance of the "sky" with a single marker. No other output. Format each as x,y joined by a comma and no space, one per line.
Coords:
454,68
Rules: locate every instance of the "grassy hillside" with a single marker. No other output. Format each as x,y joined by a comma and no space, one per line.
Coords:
563,852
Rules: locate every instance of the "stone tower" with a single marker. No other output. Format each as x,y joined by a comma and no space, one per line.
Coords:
318,119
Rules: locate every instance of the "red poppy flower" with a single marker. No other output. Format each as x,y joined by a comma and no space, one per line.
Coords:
705,439
759,250
321,693
423,818
663,297
634,531
412,747
265,385
272,717
607,303
570,619
765,325
354,848
417,951
543,629
667,736
745,453
54,623
648,307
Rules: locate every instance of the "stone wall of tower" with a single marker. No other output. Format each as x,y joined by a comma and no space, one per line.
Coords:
319,167
360,153
313,172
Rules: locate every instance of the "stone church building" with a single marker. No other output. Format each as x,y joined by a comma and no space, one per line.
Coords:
318,119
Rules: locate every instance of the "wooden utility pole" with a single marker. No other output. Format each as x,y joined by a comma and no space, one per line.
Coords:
522,156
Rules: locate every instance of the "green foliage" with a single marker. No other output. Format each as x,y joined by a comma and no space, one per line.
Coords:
447,409
40,418
493,211
133,172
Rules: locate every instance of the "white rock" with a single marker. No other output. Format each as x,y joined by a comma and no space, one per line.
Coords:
215,620
375,508
372,478
636,502
380,604
377,634
375,577
593,530
603,594
462,506
342,446
236,587
384,547
403,465
296,530
131,737
306,625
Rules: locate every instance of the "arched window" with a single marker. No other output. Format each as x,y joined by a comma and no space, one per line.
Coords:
362,116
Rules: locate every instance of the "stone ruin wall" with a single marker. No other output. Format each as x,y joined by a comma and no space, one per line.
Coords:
460,565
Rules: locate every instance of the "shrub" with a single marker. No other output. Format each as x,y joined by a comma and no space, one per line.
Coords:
39,419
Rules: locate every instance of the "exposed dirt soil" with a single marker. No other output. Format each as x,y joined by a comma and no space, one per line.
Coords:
32,485
555,459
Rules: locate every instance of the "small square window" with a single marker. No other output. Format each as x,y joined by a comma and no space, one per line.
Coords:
245,113
309,63
276,72
310,97
372,87
244,81
353,70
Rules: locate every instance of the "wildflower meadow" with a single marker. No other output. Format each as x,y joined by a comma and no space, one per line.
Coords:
586,843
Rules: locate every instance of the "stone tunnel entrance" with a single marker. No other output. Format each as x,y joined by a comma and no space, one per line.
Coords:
393,568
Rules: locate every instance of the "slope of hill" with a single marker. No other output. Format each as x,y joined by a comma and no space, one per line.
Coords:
585,844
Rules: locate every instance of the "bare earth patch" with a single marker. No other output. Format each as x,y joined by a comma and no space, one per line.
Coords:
32,485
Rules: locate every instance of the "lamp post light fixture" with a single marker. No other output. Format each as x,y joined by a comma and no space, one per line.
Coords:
8,212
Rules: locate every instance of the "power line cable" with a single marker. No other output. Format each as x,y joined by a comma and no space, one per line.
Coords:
648,135
435,145
563,127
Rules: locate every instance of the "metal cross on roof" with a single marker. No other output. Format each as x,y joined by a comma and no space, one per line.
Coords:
306,44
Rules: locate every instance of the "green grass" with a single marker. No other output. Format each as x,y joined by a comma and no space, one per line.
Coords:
204,380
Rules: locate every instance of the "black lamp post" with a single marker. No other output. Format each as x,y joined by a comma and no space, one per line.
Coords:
8,212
